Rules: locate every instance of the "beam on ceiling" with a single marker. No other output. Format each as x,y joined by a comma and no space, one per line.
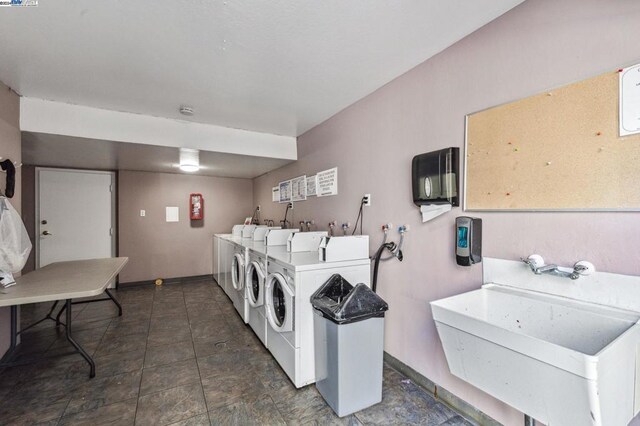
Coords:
42,116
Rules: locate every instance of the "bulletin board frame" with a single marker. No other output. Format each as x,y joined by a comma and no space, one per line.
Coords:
526,156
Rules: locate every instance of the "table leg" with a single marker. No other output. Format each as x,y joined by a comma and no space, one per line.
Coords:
106,290
14,337
60,314
14,328
84,354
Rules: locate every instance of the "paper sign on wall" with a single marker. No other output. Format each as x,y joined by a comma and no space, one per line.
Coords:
275,194
172,214
299,188
630,100
285,191
311,186
327,182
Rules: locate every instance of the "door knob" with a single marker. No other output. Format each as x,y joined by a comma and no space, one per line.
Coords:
46,233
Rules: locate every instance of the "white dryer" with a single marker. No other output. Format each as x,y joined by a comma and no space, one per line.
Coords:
292,279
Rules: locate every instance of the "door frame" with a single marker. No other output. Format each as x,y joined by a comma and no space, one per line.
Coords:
36,229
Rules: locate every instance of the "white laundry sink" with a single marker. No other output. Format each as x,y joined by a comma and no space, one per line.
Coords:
561,360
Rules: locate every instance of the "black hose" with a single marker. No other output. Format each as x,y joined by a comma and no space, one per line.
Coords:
376,262
11,177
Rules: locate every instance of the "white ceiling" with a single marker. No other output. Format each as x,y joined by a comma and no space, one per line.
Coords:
65,151
278,66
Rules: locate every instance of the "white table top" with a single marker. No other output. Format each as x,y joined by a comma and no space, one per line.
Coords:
63,280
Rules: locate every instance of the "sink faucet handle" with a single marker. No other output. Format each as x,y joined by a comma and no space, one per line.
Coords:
534,261
584,268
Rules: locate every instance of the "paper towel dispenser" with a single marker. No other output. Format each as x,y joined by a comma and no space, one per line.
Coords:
435,177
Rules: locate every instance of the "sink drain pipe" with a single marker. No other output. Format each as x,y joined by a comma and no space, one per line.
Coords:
529,421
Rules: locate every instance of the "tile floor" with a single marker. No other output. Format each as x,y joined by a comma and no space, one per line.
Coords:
179,355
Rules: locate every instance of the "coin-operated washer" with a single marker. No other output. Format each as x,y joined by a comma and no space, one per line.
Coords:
292,278
256,275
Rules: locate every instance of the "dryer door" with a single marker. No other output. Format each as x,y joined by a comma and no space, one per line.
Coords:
255,284
237,271
279,303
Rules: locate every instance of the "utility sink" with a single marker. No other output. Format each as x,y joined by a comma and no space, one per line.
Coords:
544,346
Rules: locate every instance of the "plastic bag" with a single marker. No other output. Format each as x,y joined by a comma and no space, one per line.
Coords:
15,245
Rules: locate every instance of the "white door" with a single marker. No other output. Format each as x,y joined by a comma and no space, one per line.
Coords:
279,303
75,215
254,283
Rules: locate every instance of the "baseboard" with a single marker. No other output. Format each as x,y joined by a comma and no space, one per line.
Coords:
167,281
440,393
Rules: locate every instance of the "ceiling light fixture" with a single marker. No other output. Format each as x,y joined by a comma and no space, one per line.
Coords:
186,110
189,160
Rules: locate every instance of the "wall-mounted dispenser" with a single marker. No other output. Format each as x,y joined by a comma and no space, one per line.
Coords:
435,182
468,240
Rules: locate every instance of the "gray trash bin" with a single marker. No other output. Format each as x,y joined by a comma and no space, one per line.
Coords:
349,343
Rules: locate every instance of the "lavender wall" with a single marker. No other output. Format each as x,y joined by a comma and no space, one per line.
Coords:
157,249
10,147
538,45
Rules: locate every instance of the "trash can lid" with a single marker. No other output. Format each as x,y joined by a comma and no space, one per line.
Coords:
340,302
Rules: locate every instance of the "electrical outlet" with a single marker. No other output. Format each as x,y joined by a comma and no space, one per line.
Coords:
143,213
367,200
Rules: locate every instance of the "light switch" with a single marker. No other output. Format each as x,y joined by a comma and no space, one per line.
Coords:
142,213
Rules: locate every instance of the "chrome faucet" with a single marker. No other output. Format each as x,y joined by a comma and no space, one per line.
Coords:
538,267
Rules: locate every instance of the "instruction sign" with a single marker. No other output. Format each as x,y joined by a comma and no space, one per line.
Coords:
299,188
327,182
285,191
311,186
275,194
630,100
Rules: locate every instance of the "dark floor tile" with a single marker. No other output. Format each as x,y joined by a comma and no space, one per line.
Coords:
118,363
124,326
120,413
79,325
43,414
261,412
169,315
166,376
84,337
207,347
104,391
168,324
302,406
457,420
199,420
211,329
225,363
118,344
224,390
37,394
171,405
165,337
165,354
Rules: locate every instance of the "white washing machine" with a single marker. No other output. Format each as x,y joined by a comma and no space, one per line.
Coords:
292,279
236,291
255,289
225,249
220,262
255,282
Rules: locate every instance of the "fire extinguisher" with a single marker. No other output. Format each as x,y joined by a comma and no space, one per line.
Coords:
196,206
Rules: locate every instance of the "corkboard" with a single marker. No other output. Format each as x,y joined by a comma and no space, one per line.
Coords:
558,150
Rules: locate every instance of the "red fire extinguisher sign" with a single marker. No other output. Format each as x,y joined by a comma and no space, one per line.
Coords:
196,206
